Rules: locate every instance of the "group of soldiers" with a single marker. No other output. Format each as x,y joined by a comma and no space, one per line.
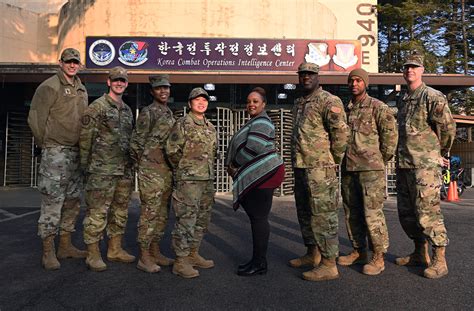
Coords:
362,137
98,146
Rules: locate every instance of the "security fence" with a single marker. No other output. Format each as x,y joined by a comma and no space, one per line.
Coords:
21,166
228,121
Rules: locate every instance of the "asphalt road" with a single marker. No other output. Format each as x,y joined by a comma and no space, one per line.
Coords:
24,285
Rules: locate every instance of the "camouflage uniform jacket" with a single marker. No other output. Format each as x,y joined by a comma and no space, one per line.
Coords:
320,132
56,111
426,128
373,137
151,132
105,138
191,148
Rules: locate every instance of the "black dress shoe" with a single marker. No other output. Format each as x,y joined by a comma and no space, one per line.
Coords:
254,269
245,266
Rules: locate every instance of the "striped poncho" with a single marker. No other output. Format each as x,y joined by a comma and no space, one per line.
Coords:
252,152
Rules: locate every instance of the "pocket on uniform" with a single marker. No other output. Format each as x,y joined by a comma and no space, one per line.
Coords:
50,173
427,193
50,166
48,185
365,127
182,193
323,184
99,182
418,122
177,197
375,194
189,170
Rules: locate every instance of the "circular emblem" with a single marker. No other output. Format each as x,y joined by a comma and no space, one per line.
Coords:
101,52
133,53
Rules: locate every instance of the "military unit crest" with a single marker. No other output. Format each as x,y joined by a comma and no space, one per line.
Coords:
344,55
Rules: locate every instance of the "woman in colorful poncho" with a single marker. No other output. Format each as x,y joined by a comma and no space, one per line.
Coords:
257,170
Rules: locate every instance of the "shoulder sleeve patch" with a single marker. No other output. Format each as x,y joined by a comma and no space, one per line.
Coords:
336,109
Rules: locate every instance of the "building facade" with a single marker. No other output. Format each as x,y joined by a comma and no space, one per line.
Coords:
340,35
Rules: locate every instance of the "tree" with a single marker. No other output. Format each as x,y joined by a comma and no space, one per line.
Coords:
443,30
403,27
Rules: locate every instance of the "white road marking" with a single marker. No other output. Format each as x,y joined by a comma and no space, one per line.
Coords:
19,216
8,214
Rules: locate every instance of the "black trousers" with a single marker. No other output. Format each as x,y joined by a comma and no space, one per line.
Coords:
257,204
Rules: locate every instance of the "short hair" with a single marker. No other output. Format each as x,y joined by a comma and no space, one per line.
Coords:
260,92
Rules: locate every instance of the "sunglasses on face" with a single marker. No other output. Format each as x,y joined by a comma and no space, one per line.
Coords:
71,61
119,79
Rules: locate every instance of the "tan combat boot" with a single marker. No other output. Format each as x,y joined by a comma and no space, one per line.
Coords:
115,252
438,267
184,269
197,260
49,260
94,260
66,249
375,266
311,258
147,262
327,270
159,258
357,256
420,257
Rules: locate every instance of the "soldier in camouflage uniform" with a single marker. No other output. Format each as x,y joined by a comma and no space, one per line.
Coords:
54,118
155,177
372,143
191,149
318,143
107,127
427,131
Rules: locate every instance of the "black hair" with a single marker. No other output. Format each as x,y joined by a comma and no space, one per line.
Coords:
260,92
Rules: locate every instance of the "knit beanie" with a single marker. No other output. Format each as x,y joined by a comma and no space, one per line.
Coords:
361,73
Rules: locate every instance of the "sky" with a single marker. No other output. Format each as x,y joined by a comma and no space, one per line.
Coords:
38,6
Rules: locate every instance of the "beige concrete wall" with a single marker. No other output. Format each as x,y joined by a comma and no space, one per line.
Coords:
35,34
354,19
295,19
26,36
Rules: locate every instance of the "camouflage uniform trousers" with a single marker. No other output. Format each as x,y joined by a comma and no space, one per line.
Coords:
418,203
316,207
363,193
107,198
156,184
60,185
192,204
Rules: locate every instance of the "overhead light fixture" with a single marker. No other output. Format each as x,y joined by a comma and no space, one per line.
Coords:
212,98
282,96
209,87
289,86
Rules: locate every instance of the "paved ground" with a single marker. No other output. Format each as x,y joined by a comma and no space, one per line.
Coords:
24,285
